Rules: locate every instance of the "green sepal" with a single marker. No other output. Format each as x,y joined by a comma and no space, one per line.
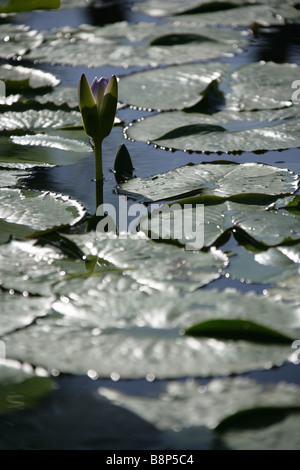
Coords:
88,108
108,108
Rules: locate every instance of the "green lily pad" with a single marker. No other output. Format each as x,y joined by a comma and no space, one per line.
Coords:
273,265
268,227
60,96
249,131
10,178
21,386
24,212
237,330
43,150
174,87
17,40
217,180
128,45
156,8
21,79
262,86
182,425
132,334
19,311
159,266
256,418
16,6
233,13
52,141
38,120
287,289
27,267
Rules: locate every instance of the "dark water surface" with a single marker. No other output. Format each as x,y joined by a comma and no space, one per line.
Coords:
279,44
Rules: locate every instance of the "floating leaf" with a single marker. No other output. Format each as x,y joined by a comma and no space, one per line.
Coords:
256,418
174,87
27,211
238,330
268,227
212,179
37,120
156,8
10,178
43,150
233,13
15,6
249,131
17,40
132,335
129,45
19,311
30,268
262,86
60,96
186,429
52,141
21,386
287,289
273,265
159,266
21,79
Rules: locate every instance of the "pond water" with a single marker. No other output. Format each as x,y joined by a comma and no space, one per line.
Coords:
76,396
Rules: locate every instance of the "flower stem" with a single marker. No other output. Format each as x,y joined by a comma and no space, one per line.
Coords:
98,172
98,160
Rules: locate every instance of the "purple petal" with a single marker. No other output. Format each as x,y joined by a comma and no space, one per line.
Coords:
99,83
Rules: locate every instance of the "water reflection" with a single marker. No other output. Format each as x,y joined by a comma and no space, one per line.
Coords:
280,43
107,11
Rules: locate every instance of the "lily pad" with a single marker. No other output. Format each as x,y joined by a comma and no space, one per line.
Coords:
217,180
10,178
226,131
30,268
233,13
17,40
237,330
19,311
52,141
130,45
21,386
25,211
133,341
257,223
43,150
174,87
287,289
15,6
21,79
156,8
159,266
262,86
60,96
37,120
183,425
273,265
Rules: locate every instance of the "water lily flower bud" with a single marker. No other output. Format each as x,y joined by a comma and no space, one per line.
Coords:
98,105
